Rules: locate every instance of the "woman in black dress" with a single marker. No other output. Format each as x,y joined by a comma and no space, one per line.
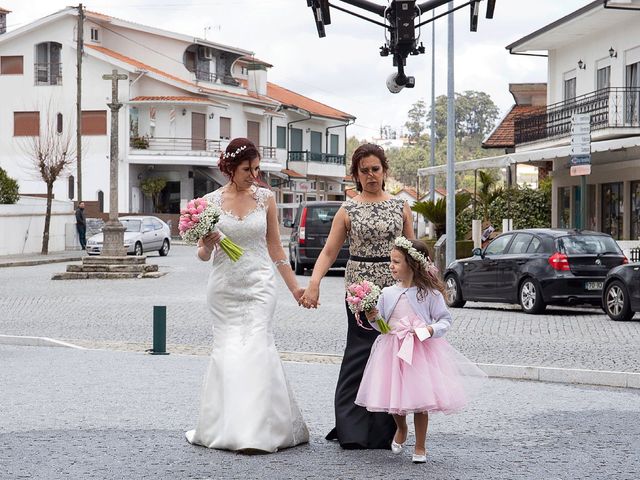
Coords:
371,221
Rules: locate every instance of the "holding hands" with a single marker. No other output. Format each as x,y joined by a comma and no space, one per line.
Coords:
310,296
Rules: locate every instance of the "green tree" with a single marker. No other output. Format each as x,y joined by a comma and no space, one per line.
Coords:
404,163
436,212
8,188
352,144
152,187
415,123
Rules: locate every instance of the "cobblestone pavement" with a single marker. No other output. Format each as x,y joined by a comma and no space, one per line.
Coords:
100,414
118,315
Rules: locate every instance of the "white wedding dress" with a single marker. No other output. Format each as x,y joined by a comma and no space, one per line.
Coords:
246,401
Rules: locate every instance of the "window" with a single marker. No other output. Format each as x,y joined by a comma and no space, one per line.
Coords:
520,243
94,122
225,128
26,124
48,66
603,78
281,137
612,218
316,142
498,245
71,186
534,245
95,35
334,143
59,123
635,210
11,65
632,101
569,89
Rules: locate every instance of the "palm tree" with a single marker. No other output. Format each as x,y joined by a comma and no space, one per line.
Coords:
436,212
487,193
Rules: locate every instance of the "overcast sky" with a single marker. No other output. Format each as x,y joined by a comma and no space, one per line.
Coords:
344,69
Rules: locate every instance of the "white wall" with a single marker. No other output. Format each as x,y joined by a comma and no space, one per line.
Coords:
22,225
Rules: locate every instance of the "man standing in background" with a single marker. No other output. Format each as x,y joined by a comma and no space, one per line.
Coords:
81,225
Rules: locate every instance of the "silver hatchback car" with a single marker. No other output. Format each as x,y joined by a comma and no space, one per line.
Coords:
142,234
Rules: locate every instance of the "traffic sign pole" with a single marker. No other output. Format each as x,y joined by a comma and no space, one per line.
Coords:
581,159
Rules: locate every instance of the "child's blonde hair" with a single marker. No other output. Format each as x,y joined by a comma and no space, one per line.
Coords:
424,276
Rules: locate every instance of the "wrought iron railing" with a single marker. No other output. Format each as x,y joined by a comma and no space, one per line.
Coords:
307,156
47,73
214,78
614,107
175,144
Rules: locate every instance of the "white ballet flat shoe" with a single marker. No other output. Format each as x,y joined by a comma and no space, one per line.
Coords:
419,458
396,447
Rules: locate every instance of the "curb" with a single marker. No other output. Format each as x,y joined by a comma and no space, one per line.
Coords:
573,376
30,263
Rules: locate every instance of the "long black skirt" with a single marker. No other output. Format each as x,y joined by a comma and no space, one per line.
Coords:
357,428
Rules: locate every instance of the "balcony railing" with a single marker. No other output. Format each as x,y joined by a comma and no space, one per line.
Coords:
175,144
307,156
48,73
614,107
214,78
267,152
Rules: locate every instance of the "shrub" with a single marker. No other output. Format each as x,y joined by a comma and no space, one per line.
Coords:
8,188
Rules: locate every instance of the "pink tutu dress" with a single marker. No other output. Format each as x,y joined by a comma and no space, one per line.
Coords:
407,375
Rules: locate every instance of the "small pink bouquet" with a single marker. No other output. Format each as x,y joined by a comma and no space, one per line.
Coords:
201,217
362,297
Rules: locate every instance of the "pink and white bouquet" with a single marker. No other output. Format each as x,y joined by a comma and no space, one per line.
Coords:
362,297
201,217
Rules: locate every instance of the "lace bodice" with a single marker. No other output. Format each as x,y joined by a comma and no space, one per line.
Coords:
374,227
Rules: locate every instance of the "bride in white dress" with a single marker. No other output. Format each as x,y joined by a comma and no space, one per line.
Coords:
246,402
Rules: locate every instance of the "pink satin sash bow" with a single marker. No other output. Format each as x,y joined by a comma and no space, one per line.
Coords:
406,329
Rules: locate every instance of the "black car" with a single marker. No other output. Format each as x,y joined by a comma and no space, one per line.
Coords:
621,292
534,268
310,231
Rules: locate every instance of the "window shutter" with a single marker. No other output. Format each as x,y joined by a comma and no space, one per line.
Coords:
13,65
281,140
225,128
26,124
94,122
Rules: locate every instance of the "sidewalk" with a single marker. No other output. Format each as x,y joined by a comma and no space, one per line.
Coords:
30,259
91,414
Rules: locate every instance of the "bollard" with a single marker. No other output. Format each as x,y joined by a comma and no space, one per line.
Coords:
159,330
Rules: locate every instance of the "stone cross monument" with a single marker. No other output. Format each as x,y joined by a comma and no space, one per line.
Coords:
113,230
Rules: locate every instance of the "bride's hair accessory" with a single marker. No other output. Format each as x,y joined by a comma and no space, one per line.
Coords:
233,154
405,244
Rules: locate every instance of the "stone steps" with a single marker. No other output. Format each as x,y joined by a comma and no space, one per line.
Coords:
126,260
137,268
104,275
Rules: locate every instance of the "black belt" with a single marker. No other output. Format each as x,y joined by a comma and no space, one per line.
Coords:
355,258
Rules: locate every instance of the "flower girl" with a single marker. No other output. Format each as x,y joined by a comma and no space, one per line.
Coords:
412,369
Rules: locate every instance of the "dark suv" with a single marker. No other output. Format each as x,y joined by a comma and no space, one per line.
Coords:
310,231
534,268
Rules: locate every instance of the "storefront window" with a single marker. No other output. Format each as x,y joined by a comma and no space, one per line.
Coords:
635,210
564,207
612,210
591,208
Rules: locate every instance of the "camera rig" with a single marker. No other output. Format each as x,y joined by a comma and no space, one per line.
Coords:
402,33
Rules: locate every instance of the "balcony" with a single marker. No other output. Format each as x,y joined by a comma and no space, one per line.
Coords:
47,73
314,163
614,113
204,76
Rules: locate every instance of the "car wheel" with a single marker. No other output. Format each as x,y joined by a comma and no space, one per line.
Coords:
454,292
616,302
164,251
137,250
530,297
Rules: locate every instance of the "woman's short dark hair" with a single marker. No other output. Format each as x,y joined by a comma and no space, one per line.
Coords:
238,150
363,151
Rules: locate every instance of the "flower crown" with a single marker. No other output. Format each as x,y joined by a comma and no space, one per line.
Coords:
233,154
405,244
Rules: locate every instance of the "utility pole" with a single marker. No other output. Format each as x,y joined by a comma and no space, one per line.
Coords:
113,230
451,145
432,178
80,48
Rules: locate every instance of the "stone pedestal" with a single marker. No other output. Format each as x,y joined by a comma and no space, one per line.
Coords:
104,267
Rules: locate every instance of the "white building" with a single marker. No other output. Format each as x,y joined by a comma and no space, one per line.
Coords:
184,99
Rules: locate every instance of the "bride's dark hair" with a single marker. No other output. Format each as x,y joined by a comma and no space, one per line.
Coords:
239,150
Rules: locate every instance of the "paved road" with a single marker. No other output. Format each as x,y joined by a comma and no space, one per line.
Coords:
105,415
117,315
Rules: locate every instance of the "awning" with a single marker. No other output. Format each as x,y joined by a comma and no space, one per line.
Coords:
292,173
531,157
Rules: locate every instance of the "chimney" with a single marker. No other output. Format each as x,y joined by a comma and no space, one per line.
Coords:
3,20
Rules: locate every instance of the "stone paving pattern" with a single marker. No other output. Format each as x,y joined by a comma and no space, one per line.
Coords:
97,414
118,315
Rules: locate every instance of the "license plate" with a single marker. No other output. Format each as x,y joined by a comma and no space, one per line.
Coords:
593,285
